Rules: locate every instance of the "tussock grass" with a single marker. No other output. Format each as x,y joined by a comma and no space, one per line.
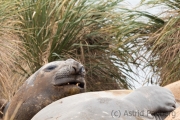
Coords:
9,43
164,44
35,32
83,30
9,79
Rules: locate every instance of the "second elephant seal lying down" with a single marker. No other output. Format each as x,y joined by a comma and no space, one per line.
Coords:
146,103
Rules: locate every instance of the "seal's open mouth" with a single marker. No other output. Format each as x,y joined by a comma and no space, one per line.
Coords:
79,84
77,81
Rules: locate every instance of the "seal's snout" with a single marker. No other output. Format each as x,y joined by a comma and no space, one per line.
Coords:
79,70
71,73
82,71
77,67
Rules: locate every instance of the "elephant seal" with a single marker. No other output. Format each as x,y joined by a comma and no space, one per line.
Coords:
144,103
51,82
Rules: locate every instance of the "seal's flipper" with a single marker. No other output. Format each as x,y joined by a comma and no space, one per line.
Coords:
153,99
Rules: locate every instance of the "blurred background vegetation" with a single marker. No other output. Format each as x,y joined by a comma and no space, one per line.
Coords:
105,36
164,44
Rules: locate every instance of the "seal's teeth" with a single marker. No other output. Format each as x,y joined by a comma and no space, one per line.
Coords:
77,84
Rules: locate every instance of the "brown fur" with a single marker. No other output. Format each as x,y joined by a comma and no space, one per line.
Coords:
43,88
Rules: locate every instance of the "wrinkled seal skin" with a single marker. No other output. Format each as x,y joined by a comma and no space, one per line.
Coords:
142,104
48,84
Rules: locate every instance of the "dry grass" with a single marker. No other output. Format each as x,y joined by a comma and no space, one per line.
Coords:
9,79
14,113
164,44
166,50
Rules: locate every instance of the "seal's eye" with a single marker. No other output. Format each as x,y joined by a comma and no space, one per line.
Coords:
49,68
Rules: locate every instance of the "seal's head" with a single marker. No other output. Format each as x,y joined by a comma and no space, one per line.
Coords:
62,75
51,82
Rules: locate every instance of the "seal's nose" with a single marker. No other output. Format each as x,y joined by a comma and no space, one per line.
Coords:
82,71
78,68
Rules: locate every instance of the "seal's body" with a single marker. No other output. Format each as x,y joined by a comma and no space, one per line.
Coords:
140,104
53,81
